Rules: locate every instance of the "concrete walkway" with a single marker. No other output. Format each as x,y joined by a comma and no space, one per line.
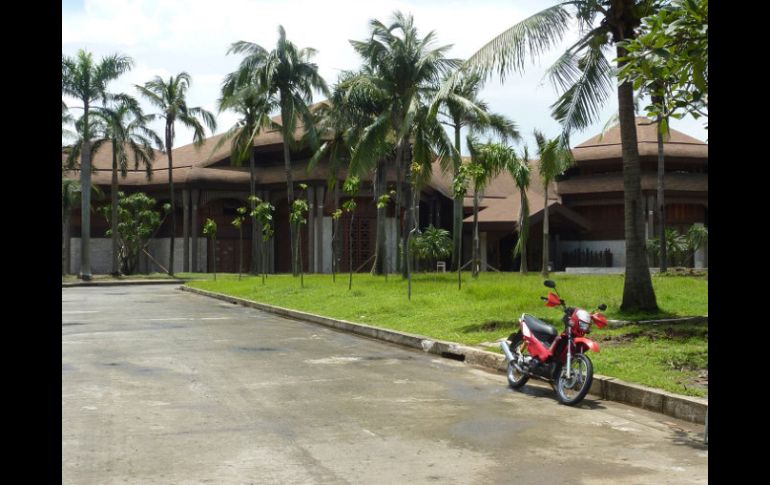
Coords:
161,386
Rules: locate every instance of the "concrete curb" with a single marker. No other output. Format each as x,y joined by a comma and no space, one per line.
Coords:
122,283
687,408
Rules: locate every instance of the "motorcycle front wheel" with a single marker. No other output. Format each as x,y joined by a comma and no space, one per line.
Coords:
572,390
517,378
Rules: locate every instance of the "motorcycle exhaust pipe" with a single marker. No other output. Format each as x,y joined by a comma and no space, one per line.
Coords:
506,350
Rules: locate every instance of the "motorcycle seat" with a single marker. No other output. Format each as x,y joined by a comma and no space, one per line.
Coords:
539,326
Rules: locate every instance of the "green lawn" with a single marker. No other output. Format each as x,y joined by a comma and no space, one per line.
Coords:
671,357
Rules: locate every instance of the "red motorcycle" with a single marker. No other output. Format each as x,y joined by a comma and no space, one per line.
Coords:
539,351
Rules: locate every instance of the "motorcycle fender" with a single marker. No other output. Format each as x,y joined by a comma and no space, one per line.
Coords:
587,343
535,347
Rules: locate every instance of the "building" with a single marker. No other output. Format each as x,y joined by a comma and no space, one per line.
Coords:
585,206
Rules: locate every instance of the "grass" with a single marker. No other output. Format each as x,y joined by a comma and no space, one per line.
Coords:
671,357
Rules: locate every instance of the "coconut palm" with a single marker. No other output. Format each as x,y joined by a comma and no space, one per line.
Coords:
70,197
584,73
254,106
87,81
555,158
124,125
461,108
487,161
171,99
518,167
341,122
288,73
403,69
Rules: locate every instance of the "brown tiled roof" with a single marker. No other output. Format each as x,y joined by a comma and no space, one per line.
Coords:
607,146
613,182
102,159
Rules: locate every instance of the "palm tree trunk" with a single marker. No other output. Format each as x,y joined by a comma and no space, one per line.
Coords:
476,250
457,212
114,214
290,195
169,142
523,245
85,200
350,250
254,233
638,294
415,192
64,235
661,204
399,194
336,248
380,249
546,235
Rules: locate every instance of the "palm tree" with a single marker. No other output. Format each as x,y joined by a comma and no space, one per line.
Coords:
403,70
555,157
70,193
255,107
171,98
487,161
463,108
341,122
70,196
287,72
584,73
87,81
518,167
124,125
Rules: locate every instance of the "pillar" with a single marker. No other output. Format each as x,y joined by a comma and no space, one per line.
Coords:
186,229
311,229
194,202
319,233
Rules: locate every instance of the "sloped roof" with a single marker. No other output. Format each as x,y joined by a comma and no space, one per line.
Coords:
607,146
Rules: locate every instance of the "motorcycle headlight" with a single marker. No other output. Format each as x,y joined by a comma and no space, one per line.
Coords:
584,320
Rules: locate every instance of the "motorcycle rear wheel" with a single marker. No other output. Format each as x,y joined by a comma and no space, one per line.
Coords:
571,391
516,378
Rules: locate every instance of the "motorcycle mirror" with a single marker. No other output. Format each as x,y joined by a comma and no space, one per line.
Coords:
602,307
549,284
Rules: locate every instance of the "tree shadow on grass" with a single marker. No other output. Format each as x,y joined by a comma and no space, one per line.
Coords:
491,326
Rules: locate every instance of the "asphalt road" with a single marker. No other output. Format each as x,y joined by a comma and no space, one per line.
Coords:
163,386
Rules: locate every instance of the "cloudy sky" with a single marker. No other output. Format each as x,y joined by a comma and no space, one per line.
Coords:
165,37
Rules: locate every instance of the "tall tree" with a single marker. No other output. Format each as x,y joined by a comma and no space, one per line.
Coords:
86,80
519,169
487,161
288,73
254,107
170,97
461,108
555,157
125,126
584,73
668,61
403,69
340,123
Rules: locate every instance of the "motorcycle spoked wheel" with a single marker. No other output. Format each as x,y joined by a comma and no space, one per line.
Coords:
571,391
516,378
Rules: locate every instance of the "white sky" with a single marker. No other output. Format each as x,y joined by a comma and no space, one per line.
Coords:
165,37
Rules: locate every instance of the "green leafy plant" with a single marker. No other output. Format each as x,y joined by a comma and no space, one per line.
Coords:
432,245
210,230
263,214
238,223
350,187
138,220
